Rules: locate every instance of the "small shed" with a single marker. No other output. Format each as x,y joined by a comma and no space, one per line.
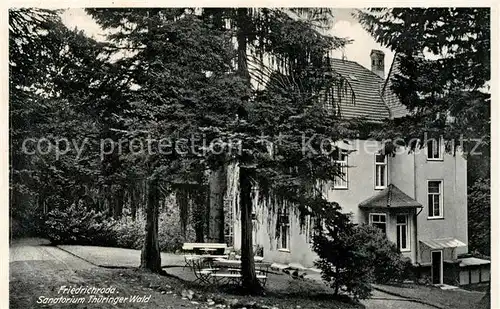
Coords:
474,270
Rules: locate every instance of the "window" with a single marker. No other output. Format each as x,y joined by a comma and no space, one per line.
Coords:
379,220
435,198
310,228
434,149
340,158
402,233
380,171
283,229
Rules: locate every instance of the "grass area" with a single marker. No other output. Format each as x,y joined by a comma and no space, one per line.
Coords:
452,299
28,282
117,257
479,287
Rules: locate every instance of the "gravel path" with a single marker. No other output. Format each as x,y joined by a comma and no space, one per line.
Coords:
26,251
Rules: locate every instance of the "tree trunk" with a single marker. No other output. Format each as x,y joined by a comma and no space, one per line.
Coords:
241,38
133,202
118,203
216,210
144,191
249,278
150,255
182,200
108,203
199,214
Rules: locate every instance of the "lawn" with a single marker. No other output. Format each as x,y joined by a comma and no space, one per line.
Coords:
452,299
117,257
41,279
479,287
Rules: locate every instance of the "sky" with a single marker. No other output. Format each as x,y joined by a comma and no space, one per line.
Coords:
344,26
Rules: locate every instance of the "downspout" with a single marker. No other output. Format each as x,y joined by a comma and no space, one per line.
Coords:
416,215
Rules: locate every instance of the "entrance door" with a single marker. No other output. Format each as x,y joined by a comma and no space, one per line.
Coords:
437,267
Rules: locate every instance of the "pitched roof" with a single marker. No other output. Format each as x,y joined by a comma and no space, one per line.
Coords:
397,109
390,197
367,87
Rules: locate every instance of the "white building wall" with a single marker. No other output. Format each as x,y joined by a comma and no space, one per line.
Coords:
409,172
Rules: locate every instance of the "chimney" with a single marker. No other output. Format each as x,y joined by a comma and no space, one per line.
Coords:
377,57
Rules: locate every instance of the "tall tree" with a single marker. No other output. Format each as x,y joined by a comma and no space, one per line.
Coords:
254,31
444,63
54,74
24,70
178,92
275,48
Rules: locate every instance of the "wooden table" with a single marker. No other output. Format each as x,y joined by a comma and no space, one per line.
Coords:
191,258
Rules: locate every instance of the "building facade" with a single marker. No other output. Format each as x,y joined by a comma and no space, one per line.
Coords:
418,198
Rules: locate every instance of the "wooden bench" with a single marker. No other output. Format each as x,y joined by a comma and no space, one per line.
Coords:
216,270
235,277
230,270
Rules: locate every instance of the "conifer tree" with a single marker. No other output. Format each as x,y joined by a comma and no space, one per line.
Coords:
173,52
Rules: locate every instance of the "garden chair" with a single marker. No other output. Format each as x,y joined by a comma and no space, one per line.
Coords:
202,270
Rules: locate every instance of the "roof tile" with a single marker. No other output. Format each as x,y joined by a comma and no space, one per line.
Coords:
367,87
371,92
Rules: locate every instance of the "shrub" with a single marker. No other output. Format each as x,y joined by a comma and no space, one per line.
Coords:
387,262
170,233
352,257
408,271
478,200
79,225
343,267
84,226
25,220
129,233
